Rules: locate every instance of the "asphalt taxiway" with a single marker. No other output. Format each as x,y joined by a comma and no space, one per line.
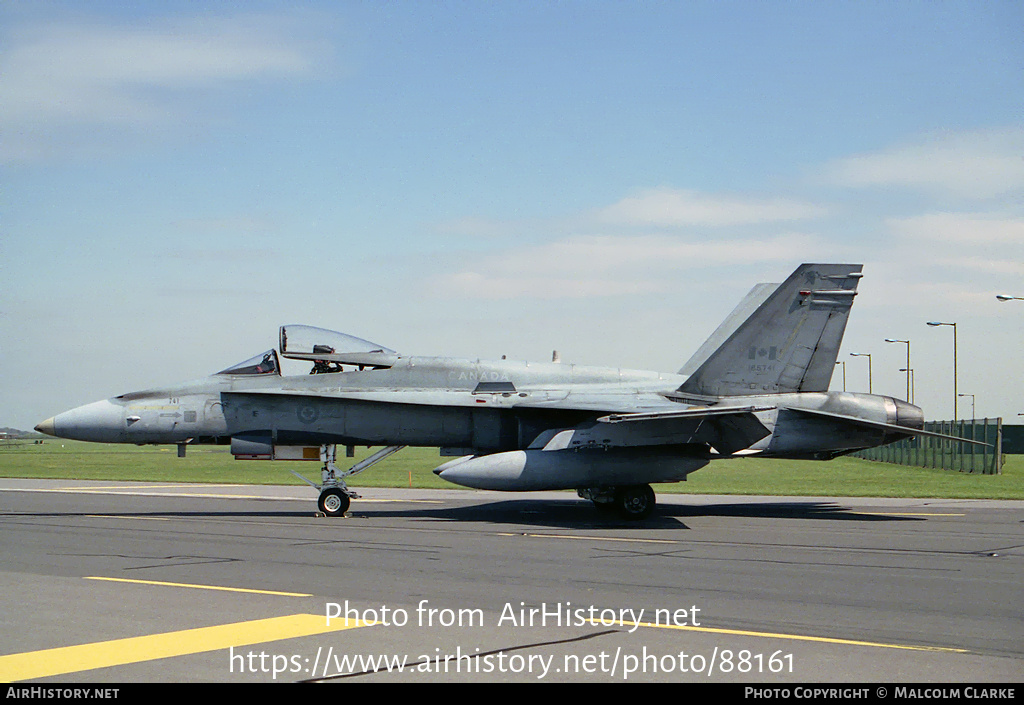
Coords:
129,582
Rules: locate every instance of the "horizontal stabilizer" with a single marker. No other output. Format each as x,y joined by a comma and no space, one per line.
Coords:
864,423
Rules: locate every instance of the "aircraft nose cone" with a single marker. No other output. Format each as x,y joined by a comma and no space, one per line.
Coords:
101,421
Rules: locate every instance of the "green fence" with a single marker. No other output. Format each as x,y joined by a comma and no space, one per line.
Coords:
1013,439
928,452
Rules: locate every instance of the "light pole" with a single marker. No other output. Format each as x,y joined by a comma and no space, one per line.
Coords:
1007,297
972,403
907,343
843,363
868,356
940,323
910,371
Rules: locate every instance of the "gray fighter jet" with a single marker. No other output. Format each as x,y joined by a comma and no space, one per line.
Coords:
758,386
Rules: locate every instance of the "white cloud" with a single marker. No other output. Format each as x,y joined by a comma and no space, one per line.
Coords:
668,242
982,164
531,285
58,77
962,228
674,207
978,263
606,265
963,242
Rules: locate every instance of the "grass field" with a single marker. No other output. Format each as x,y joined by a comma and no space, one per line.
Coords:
412,467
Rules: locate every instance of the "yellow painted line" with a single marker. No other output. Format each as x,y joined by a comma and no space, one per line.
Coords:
197,587
590,538
105,488
118,516
119,652
156,487
191,495
406,501
129,492
143,492
791,637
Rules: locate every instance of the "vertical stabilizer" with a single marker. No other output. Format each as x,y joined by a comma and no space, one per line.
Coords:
789,343
754,298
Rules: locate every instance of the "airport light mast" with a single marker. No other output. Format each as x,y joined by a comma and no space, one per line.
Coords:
868,356
907,343
910,371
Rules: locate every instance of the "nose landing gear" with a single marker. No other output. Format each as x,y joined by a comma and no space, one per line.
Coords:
335,496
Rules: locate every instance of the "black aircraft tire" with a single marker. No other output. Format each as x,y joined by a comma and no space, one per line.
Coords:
635,502
333,502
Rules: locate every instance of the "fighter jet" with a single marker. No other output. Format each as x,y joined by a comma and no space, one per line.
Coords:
758,386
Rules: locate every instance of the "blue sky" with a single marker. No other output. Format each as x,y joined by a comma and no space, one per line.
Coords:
479,179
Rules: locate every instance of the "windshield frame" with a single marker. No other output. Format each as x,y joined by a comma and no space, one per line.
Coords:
266,363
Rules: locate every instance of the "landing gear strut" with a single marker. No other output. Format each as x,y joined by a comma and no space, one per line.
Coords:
335,495
629,502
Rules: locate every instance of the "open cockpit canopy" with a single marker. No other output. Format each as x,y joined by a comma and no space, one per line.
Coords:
328,346
327,349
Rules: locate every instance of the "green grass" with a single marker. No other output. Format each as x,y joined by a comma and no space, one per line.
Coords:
853,477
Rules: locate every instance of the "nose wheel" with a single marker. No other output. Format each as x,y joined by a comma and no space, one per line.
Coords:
333,502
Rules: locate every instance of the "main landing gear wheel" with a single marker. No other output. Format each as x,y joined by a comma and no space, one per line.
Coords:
635,502
333,502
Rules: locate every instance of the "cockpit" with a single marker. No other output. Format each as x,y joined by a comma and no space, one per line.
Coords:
328,350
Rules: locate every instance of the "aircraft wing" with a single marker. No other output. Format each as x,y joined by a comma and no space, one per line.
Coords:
727,430
864,423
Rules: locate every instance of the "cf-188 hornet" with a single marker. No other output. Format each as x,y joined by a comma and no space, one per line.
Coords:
759,385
